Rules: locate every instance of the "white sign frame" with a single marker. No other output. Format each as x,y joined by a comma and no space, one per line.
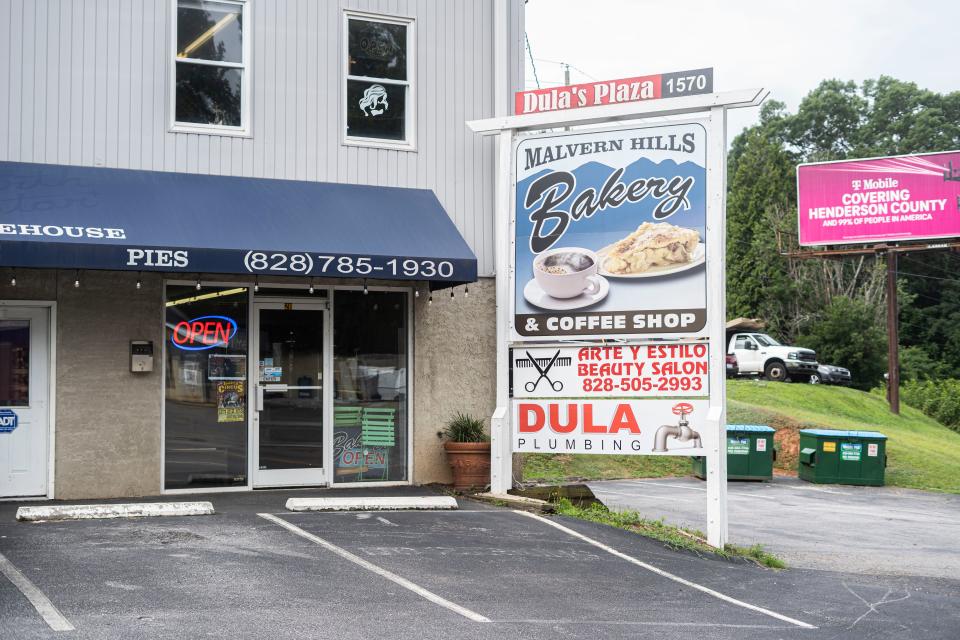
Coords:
506,128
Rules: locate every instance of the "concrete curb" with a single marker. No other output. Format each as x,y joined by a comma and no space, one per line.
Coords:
516,502
132,510
384,503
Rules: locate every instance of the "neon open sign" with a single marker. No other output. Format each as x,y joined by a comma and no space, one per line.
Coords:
205,332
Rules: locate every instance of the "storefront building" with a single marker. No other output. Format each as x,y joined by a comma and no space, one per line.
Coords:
245,244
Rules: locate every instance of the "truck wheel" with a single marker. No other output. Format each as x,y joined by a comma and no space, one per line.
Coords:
776,371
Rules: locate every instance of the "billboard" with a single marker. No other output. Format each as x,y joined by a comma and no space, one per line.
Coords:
610,234
915,197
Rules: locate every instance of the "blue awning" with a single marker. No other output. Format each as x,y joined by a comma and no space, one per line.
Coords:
66,217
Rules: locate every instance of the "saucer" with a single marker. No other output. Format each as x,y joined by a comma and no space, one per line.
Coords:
539,298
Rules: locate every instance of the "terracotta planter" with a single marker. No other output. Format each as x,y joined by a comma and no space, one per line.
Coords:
470,463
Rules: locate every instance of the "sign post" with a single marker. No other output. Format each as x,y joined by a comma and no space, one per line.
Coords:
610,277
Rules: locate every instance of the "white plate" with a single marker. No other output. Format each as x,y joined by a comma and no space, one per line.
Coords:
699,257
539,298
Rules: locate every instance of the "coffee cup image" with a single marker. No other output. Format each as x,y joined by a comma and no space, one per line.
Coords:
567,272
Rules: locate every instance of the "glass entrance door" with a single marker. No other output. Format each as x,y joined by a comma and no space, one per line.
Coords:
290,437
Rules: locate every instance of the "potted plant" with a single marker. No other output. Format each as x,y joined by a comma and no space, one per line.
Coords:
468,452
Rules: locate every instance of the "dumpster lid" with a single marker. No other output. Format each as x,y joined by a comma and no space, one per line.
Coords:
756,428
844,434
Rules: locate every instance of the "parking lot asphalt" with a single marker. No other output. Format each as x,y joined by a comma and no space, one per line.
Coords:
255,570
868,530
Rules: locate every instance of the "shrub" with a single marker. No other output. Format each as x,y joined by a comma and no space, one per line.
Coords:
846,335
465,428
939,399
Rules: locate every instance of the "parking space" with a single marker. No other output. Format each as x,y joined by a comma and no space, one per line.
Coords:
420,575
865,530
513,577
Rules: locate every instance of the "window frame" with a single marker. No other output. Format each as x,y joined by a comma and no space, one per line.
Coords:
409,143
245,66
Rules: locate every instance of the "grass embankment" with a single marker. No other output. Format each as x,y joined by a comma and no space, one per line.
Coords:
673,537
922,453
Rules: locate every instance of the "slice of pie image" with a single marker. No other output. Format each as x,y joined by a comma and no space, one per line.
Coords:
652,245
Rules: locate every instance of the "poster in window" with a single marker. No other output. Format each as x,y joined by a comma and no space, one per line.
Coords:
226,367
231,400
376,110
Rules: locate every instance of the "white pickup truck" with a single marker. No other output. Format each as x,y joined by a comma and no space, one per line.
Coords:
758,353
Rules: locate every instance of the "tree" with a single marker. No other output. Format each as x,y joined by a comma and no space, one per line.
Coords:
758,279
846,334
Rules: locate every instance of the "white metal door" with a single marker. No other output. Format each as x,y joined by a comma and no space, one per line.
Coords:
290,434
24,400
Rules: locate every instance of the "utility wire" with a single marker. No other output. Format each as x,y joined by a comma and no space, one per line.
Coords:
920,275
574,67
532,63
928,265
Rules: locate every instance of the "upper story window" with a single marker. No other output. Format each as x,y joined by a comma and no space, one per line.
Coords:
379,81
210,66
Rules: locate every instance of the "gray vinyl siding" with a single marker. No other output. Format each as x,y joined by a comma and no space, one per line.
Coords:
86,82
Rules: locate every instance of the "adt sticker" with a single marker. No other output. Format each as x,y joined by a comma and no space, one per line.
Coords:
8,421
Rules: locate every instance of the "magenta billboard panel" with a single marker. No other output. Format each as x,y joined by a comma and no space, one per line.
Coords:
880,200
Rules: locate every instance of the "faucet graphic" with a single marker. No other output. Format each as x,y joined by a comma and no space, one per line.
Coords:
681,431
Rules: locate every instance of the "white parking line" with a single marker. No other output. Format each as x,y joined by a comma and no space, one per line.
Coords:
805,488
675,486
50,614
666,574
644,623
667,496
369,566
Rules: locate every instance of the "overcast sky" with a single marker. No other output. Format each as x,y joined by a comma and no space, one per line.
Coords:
785,46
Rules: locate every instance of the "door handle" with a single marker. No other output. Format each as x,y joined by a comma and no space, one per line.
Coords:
259,400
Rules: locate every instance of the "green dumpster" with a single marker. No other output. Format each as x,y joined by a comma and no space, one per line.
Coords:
750,453
842,457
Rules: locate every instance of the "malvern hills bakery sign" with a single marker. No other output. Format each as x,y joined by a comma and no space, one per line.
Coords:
610,233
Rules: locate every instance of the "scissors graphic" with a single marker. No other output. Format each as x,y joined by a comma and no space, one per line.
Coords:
556,385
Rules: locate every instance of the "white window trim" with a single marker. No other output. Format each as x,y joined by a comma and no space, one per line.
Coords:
244,130
410,117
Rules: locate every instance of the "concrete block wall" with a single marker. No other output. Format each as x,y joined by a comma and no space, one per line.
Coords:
108,419
454,369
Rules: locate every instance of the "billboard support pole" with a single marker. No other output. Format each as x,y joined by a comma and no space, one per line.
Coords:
893,336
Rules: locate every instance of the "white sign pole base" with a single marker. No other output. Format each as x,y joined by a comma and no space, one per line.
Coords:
501,452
